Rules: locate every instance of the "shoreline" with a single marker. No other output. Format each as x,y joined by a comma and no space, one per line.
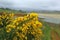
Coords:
49,23
57,16
52,18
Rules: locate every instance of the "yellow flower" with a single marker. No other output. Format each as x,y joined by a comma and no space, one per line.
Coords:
23,25
35,19
22,35
24,29
26,38
32,22
18,28
0,16
38,23
11,14
8,30
17,23
13,26
31,26
25,18
20,18
40,31
34,26
10,26
33,33
3,17
33,14
14,21
17,33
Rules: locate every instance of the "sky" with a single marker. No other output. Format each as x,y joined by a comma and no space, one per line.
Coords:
31,4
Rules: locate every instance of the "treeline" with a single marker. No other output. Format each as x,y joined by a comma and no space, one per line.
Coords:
11,10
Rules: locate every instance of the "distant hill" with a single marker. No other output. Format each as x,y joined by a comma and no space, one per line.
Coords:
11,10
28,10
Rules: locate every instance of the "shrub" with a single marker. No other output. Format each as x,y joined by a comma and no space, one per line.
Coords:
20,28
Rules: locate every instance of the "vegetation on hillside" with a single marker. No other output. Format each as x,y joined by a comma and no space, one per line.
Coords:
20,28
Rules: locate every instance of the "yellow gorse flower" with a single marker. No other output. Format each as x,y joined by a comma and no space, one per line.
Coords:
11,15
8,30
24,27
38,23
33,14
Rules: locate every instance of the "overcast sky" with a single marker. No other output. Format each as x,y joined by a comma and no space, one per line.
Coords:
31,4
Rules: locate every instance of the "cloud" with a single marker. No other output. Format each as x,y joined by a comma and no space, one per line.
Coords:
32,4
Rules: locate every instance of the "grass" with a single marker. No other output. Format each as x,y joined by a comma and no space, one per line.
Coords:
46,32
56,29
48,27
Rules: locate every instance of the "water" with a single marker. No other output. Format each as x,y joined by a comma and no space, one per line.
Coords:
51,18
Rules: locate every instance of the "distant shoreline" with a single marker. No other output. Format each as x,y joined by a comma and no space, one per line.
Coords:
57,16
51,18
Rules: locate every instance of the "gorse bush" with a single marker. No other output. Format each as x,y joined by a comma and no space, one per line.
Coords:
20,28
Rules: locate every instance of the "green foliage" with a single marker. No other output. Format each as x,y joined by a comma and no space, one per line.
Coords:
46,31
